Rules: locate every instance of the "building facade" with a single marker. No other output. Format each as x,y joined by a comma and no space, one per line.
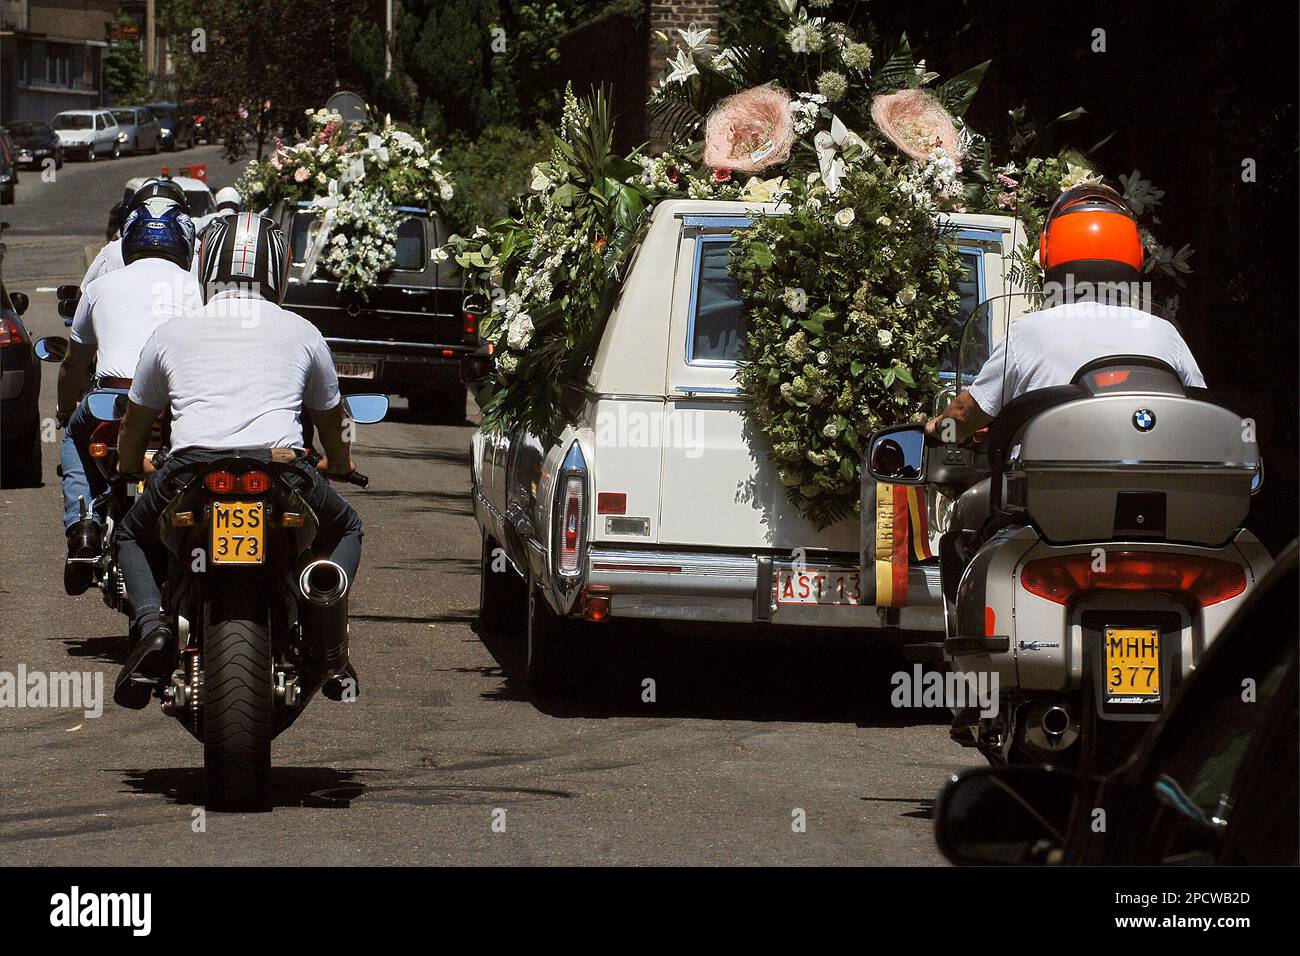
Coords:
52,56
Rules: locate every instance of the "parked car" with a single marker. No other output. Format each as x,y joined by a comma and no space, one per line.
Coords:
88,133
688,522
409,335
177,125
20,388
197,193
8,169
1215,782
139,129
35,142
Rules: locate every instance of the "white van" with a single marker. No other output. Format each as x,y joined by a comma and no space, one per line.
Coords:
657,500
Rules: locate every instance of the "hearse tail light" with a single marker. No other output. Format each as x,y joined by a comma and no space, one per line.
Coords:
571,508
1204,581
611,503
595,604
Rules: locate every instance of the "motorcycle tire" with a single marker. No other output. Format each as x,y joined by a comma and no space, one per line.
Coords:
238,703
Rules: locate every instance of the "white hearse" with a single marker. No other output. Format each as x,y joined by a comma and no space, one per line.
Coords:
657,500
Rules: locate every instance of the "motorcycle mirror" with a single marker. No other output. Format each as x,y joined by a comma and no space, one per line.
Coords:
367,409
68,309
106,406
1006,815
52,348
65,292
897,455
19,301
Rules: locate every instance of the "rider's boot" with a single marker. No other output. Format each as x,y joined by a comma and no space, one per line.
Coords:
84,543
133,687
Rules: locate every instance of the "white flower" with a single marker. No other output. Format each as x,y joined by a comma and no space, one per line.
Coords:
788,7
906,295
725,62
796,299
884,222
1139,194
519,331
1078,176
507,362
831,430
844,218
695,39
885,337
683,68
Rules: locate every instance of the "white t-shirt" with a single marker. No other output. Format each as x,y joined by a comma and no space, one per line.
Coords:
1047,348
236,374
119,311
106,260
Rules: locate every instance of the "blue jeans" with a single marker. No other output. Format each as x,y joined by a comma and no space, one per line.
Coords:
81,476
338,534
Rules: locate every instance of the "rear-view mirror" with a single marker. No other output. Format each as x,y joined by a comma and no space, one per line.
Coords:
52,348
367,409
897,455
106,406
19,301
1006,815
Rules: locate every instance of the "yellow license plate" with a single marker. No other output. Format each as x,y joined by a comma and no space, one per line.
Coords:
237,532
1132,665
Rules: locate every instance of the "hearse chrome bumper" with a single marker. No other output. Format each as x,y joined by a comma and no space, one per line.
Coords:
740,588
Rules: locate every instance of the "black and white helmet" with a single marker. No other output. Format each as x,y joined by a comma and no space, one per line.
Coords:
244,251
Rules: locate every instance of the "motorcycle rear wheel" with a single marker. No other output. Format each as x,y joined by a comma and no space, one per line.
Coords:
238,704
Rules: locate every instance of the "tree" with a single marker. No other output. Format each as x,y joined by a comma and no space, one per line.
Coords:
257,65
125,74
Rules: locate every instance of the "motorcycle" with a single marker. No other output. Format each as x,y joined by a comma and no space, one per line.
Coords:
1093,548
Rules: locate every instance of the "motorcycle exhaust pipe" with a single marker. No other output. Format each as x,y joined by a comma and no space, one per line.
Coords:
323,617
323,583
1050,727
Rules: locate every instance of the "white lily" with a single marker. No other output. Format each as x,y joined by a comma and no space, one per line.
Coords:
683,68
695,39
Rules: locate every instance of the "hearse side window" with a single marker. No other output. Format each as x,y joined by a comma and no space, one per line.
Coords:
969,288
298,237
717,324
410,246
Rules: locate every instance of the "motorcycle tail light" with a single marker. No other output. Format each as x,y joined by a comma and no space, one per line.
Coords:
253,482
98,449
571,528
219,482
1202,581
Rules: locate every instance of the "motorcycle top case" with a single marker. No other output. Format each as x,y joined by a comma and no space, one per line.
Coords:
1161,467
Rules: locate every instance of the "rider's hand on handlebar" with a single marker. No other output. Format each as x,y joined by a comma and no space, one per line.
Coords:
323,465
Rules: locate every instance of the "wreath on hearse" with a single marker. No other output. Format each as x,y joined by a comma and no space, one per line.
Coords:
849,296
356,176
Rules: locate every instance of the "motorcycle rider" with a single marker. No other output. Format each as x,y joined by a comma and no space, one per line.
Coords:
236,374
229,202
1089,243
114,318
110,255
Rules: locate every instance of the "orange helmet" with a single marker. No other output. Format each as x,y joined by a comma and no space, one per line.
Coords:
1089,233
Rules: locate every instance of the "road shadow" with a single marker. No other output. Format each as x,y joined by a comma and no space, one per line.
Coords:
307,787
922,808
107,650
730,673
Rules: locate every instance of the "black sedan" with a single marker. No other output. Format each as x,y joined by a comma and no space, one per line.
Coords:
20,386
34,143
1215,782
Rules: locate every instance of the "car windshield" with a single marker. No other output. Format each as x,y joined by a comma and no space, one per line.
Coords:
200,202
125,117
73,121
25,129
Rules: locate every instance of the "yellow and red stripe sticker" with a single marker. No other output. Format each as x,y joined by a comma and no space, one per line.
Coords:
891,544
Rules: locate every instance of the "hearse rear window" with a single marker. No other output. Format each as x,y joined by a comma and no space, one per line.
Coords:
718,325
410,242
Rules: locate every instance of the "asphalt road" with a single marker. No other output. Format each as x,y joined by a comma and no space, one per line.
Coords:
745,734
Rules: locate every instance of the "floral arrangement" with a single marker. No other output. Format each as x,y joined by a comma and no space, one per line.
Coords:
849,295
356,177
560,265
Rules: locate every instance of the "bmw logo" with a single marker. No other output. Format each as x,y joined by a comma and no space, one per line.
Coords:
1144,419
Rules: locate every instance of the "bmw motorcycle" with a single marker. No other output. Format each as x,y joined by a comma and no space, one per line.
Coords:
1091,549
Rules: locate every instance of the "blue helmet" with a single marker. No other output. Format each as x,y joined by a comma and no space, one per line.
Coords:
159,227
